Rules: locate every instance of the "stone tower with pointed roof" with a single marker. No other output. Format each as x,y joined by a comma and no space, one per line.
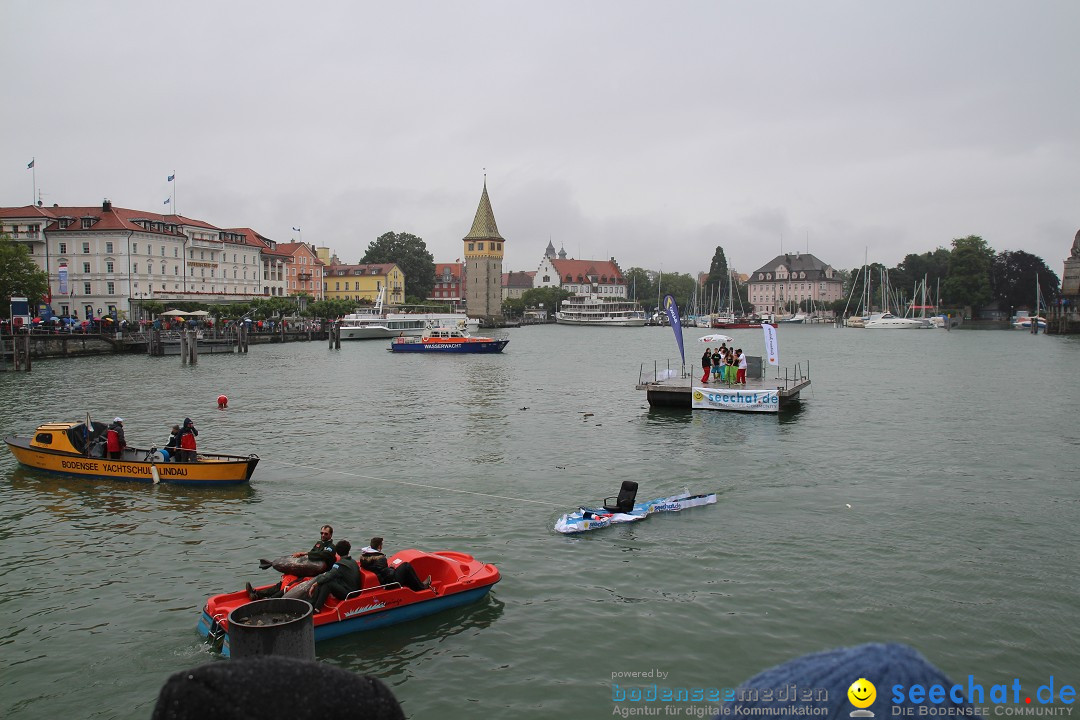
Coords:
483,263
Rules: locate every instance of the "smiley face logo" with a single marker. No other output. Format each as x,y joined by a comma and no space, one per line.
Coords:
862,693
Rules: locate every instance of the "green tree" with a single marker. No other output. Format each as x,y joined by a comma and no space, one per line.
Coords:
968,282
716,285
680,286
19,276
932,266
513,308
639,285
410,253
549,297
1013,279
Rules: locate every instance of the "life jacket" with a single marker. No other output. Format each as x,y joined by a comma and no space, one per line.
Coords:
187,441
112,441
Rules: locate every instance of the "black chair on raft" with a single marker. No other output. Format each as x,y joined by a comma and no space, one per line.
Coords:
624,503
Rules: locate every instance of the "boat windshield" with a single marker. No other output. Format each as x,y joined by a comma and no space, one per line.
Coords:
78,438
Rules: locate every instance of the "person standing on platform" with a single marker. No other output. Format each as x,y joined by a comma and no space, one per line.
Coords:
716,358
741,375
706,365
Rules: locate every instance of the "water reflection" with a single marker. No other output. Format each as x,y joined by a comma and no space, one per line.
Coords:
790,413
58,493
391,653
666,416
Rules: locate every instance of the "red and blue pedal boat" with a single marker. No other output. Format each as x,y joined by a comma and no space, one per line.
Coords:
456,579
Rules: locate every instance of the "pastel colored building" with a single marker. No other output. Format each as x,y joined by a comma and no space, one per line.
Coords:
364,282
304,272
789,279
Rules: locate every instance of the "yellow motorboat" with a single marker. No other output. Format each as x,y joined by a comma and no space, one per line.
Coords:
76,448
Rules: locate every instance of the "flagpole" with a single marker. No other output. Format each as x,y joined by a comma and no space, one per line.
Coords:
33,174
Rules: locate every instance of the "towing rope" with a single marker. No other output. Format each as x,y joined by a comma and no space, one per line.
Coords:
415,484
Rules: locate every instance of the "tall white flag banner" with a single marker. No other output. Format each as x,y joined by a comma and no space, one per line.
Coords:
772,351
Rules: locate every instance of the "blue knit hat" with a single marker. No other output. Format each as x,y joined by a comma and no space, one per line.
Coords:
826,677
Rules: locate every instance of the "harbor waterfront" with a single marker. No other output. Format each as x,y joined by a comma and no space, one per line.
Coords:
923,492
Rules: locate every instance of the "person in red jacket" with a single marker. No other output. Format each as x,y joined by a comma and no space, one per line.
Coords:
114,439
187,441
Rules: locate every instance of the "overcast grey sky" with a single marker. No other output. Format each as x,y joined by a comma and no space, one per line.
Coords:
647,131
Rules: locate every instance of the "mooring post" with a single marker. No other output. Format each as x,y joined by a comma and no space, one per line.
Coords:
194,344
337,335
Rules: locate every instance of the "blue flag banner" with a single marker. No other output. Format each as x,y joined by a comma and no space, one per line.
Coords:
30,164
296,229
171,178
167,201
672,310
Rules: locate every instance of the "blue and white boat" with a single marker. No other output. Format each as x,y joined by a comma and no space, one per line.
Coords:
448,340
586,518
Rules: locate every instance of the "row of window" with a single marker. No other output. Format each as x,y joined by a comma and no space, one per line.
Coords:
754,287
62,249
480,246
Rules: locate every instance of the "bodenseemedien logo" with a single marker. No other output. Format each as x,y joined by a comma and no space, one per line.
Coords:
862,694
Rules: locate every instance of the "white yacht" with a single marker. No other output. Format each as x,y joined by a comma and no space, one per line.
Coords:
594,310
888,321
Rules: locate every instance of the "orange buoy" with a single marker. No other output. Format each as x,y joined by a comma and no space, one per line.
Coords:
222,402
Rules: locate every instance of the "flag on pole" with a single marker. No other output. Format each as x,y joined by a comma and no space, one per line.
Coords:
167,201
771,349
30,164
296,229
672,311
171,178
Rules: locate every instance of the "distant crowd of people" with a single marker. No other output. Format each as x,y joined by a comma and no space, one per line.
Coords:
724,365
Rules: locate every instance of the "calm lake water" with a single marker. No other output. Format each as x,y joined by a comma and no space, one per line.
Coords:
957,453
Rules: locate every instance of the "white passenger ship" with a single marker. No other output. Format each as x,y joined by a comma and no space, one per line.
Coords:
375,324
598,311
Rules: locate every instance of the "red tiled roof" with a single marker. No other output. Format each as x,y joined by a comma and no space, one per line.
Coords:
456,271
258,242
518,279
291,248
600,269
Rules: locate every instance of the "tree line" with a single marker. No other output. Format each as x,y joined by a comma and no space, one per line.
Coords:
971,274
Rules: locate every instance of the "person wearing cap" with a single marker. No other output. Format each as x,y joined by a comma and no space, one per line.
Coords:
114,439
187,441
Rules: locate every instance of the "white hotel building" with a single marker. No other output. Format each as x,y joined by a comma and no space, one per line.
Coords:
104,259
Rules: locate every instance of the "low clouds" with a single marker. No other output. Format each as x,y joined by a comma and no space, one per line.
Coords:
651,133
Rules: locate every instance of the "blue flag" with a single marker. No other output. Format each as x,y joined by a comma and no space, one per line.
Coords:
167,201
296,229
672,310
171,178
30,164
